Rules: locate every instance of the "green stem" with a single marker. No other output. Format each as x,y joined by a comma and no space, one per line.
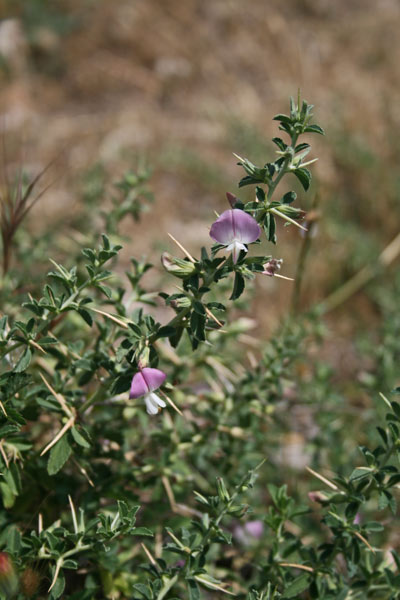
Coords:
166,587
283,170
301,262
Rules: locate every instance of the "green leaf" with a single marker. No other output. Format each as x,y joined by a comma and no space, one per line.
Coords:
59,455
143,531
297,586
165,331
304,176
289,197
283,119
58,586
314,129
238,286
280,143
79,439
260,194
193,589
24,361
13,539
301,147
360,473
373,526
7,495
270,227
105,289
86,316
11,383
144,590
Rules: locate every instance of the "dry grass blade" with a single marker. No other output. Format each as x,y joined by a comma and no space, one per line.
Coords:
15,203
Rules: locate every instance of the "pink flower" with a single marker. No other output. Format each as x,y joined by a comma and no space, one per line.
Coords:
144,383
235,228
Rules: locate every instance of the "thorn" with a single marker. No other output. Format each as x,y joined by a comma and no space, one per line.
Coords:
149,556
84,472
58,397
279,214
297,566
171,403
40,523
362,538
56,573
212,585
283,277
190,257
59,435
322,478
169,491
73,513
212,316
35,345
108,316
385,400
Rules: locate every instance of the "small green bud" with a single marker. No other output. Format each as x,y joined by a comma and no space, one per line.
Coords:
180,267
182,302
238,510
222,491
292,212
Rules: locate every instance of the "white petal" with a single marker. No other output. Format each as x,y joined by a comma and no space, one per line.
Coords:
157,400
235,248
151,407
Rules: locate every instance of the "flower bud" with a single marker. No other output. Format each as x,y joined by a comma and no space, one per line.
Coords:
290,211
222,491
232,199
8,576
179,267
272,266
181,302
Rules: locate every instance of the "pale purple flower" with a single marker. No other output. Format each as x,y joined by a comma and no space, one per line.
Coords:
233,229
144,383
248,533
254,528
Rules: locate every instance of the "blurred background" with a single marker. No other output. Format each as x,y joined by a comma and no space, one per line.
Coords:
103,86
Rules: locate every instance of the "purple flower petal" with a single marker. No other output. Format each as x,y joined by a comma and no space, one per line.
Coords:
235,225
145,381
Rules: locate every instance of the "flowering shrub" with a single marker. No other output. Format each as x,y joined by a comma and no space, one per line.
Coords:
105,495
